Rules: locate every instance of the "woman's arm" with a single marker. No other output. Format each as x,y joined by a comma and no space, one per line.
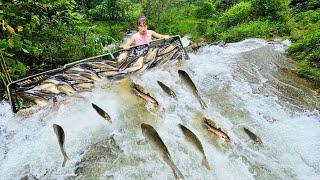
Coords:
159,36
127,45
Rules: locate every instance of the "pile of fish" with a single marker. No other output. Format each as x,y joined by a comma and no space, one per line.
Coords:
152,136
81,76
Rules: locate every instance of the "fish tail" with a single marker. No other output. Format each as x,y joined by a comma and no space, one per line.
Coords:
65,159
177,173
202,103
206,163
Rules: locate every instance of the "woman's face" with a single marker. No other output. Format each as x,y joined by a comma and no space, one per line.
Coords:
143,27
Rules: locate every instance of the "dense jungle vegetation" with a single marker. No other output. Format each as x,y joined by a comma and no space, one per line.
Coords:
37,35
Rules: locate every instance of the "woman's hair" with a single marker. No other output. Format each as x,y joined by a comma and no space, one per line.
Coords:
142,20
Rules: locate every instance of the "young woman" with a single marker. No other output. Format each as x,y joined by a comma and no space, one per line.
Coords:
144,36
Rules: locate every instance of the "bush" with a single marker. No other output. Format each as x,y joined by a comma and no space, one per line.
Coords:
275,10
236,14
260,29
205,11
223,5
307,52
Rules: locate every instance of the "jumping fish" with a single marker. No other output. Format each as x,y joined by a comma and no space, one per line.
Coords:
252,136
138,91
153,137
196,141
167,90
187,80
61,137
210,125
101,112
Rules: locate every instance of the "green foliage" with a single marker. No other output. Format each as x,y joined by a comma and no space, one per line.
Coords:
260,29
237,14
303,5
109,10
275,10
205,11
223,5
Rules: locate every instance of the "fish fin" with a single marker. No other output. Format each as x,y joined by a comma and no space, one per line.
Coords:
206,163
142,141
65,159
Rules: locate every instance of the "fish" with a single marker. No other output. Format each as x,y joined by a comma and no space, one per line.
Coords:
155,140
47,87
109,73
38,100
61,139
167,57
111,63
252,136
66,89
72,78
138,91
122,57
135,67
127,63
167,49
210,125
187,80
152,53
83,86
196,141
83,72
98,66
167,90
101,112
51,81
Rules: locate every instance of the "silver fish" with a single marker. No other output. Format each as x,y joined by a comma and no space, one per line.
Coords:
83,86
61,138
210,125
101,112
66,89
167,49
138,91
47,87
135,67
167,57
39,101
122,57
167,90
254,137
192,138
127,63
151,55
187,80
153,138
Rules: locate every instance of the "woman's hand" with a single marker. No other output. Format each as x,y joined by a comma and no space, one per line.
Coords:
166,36
126,47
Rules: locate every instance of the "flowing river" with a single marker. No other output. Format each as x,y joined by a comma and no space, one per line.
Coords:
245,84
